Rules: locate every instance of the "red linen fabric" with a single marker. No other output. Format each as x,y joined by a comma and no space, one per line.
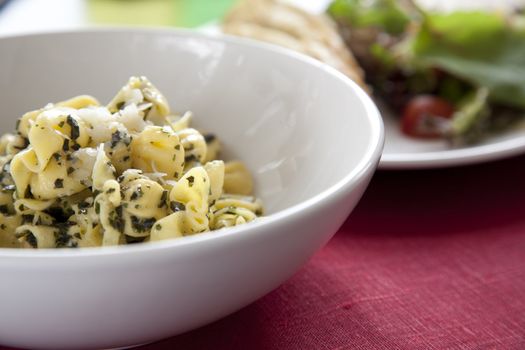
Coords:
428,260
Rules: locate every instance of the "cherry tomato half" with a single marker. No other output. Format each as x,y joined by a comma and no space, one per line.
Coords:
426,116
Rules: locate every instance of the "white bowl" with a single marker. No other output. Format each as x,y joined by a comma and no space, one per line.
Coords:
311,137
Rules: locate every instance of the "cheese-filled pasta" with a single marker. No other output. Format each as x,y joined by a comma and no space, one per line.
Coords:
79,174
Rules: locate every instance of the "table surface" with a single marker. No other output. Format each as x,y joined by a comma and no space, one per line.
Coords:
429,259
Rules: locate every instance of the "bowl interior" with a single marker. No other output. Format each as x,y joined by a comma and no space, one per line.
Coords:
297,128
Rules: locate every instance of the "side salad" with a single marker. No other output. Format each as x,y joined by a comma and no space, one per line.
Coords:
458,75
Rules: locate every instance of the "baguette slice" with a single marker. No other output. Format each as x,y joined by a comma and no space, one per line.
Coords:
280,23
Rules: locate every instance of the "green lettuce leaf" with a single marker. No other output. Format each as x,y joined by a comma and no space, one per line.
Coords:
383,14
485,49
470,118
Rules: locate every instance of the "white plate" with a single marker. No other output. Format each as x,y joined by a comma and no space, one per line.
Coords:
402,152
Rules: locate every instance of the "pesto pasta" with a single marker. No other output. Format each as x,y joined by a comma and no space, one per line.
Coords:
79,174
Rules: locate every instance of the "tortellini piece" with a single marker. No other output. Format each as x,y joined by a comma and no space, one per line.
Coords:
5,141
188,200
141,92
158,149
215,171
195,148
232,210
79,174
27,120
191,192
237,178
8,225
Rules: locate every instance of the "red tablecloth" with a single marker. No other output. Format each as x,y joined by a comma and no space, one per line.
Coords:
428,260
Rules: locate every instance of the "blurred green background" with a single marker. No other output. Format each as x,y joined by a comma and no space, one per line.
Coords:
180,13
